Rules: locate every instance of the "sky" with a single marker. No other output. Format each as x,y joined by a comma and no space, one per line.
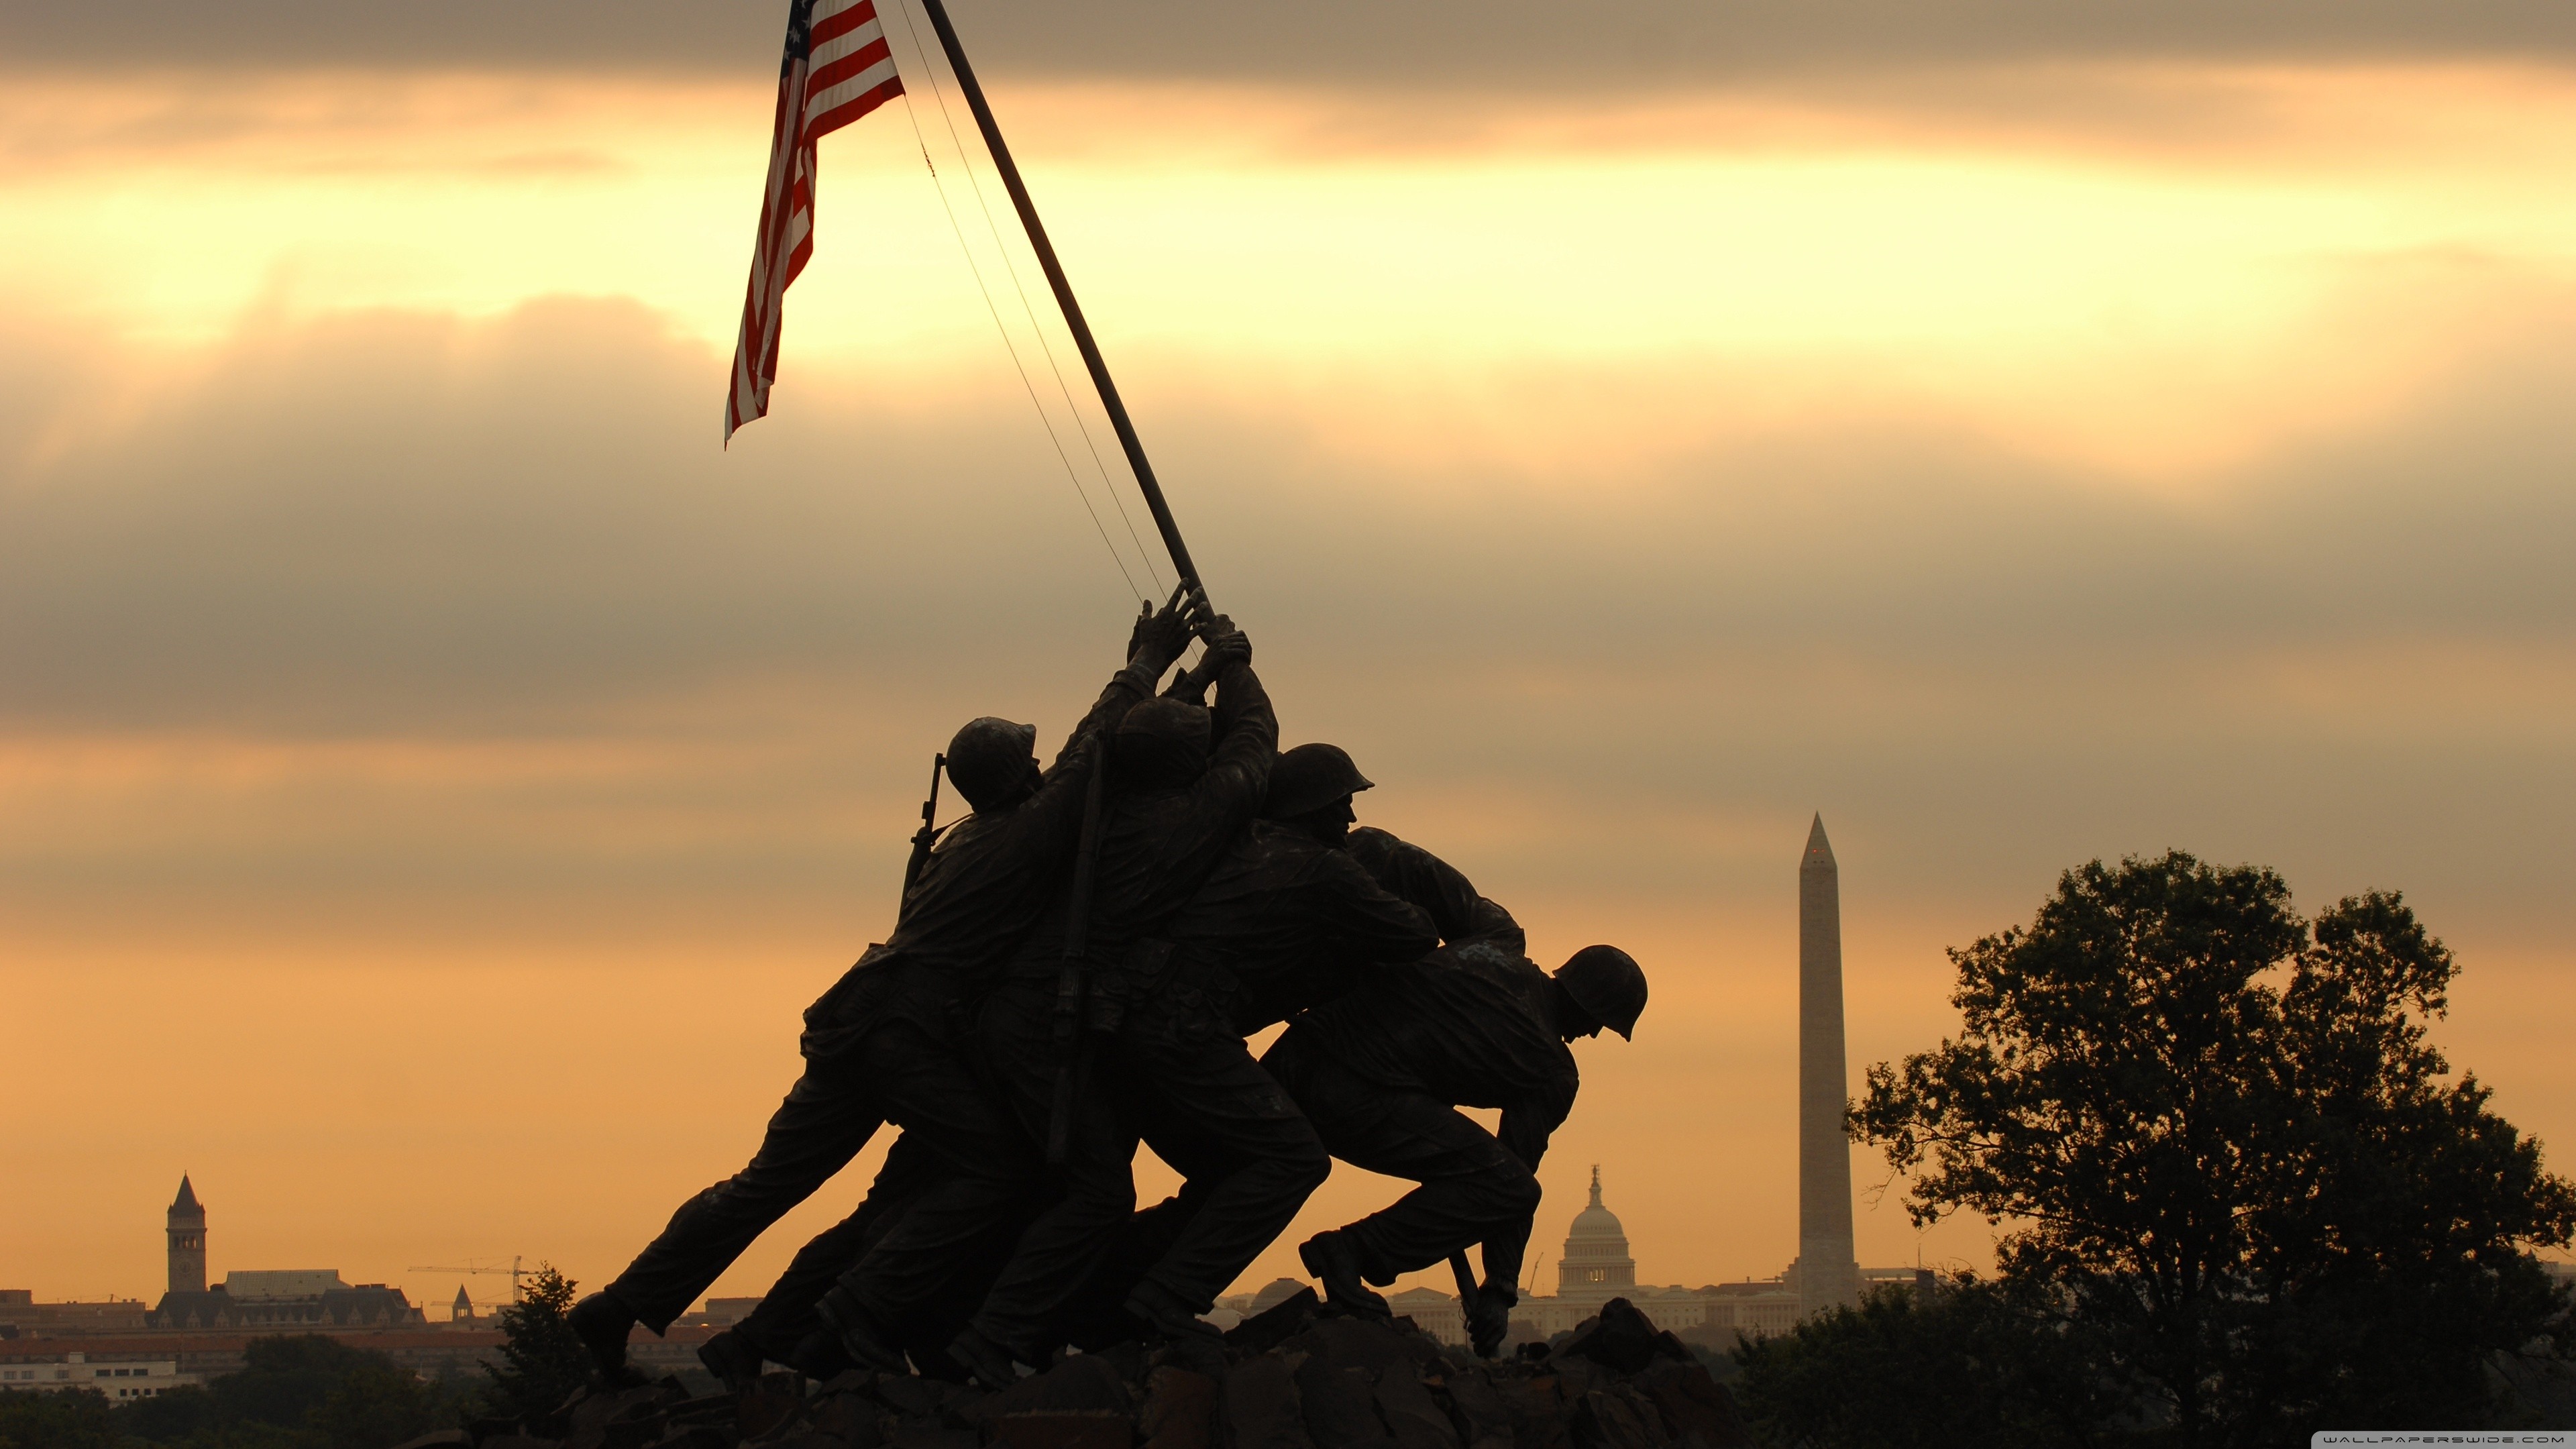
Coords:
434,773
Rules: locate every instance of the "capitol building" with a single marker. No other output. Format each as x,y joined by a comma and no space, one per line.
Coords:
1596,1267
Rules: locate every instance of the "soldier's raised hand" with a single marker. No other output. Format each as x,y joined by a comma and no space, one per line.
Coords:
1159,637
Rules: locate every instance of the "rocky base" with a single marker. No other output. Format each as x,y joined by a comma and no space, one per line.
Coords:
1300,1376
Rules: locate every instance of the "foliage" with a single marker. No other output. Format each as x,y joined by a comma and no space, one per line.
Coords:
299,1392
70,1419
543,1362
2230,1157
1972,1364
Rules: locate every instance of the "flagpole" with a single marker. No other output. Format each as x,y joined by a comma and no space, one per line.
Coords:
1064,299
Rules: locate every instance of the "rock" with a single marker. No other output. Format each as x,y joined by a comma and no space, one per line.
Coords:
1489,1425
767,1404
1695,1407
1622,1338
482,1429
1064,1429
1367,1343
695,1436
1260,1404
1082,1383
909,1399
816,1439
621,1419
1276,1324
1180,1410
1537,1411
717,1408
848,1415
439,1439
1339,1404
922,1436
1412,1416
520,1441
1609,1419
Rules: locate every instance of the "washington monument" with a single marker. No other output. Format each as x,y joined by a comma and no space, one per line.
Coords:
1828,1274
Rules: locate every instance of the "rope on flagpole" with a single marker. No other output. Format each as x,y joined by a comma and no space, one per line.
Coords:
1026,385
939,95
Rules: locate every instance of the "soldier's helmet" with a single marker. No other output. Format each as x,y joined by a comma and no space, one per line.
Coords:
1311,777
989,758
1163,742
1608,983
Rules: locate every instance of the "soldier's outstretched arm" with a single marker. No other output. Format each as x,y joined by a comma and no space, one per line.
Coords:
1247,737
1365,920
1439,888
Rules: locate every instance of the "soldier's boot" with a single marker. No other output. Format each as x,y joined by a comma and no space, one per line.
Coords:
734,1362
1189,1341
819,1356
860,1337
602,1321
985,1361
1336,1265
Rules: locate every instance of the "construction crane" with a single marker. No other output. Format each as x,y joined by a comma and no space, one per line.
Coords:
515,1270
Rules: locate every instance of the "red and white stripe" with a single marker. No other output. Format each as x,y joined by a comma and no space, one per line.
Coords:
836,69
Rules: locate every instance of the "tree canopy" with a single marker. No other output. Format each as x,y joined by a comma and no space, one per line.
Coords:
542,1360
2229,1158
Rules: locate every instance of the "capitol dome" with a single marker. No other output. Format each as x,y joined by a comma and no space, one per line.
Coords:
1596,1264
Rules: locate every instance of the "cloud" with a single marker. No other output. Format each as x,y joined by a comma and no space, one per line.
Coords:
481,607
415,722
1652,43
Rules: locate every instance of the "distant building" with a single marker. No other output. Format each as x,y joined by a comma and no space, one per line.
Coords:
1434,1312
117,1379
187,1229
1596,1267
21,1316
307,1298
719,1313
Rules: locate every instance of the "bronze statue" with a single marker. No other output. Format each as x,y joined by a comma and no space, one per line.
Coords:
1380,1072
881,1045
1186,781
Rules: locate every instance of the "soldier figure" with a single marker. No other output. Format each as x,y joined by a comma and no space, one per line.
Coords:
1184,783
1379,1073
881,1044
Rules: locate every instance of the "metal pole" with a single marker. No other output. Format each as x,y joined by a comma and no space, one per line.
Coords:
1045,249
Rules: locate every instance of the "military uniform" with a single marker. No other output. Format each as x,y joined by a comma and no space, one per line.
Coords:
883,1045
1380,1073
1157,845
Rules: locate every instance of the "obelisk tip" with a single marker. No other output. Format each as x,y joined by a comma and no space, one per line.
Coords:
1820,851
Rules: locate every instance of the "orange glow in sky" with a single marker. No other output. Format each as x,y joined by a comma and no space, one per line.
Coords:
446,881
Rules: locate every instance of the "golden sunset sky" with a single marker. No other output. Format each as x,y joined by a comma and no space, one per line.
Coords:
434,775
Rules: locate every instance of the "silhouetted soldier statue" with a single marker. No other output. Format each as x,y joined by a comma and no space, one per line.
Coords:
1183,784
1290,948
1380,1071
882,1044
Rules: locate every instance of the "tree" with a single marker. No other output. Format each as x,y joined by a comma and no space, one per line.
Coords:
65,1419
300,1391
1971,1364
543,1361
2229,1155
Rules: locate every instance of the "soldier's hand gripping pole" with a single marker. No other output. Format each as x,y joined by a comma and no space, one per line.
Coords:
1071,981
927,835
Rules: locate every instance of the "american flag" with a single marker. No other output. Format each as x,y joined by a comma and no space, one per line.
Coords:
836,69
